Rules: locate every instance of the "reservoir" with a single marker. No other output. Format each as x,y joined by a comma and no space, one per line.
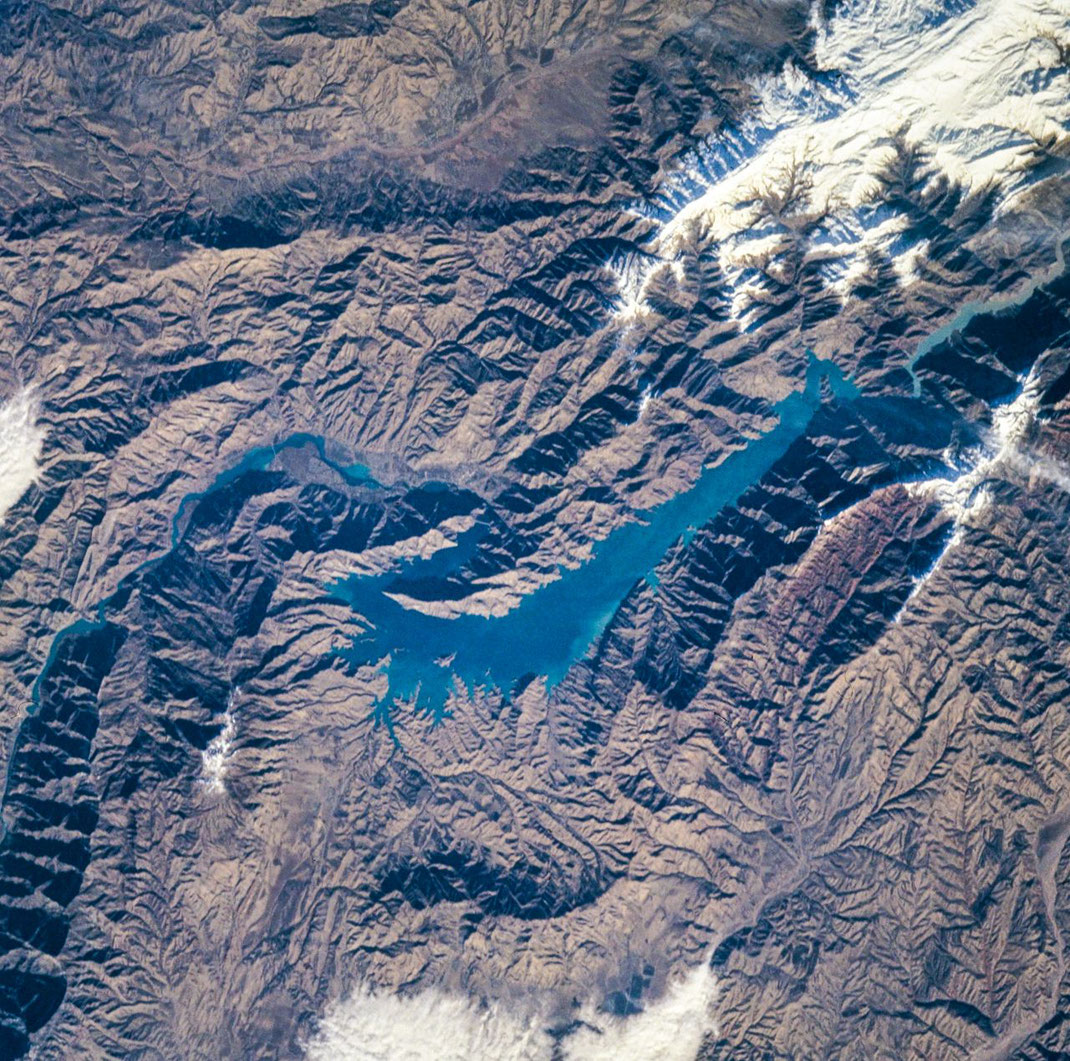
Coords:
555,625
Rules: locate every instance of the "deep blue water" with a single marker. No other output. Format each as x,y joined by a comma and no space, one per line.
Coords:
555,625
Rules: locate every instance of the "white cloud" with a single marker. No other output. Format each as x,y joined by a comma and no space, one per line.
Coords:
671,1029
427,1026
21,442
432,1025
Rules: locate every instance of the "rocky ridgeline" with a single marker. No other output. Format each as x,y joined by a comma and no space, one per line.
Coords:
821,746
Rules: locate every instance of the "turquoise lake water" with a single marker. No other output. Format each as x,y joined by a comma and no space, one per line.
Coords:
985,307
552,627
555,625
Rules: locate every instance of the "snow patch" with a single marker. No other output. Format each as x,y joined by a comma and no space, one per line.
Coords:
976,84
644,402
216,757
1003,453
